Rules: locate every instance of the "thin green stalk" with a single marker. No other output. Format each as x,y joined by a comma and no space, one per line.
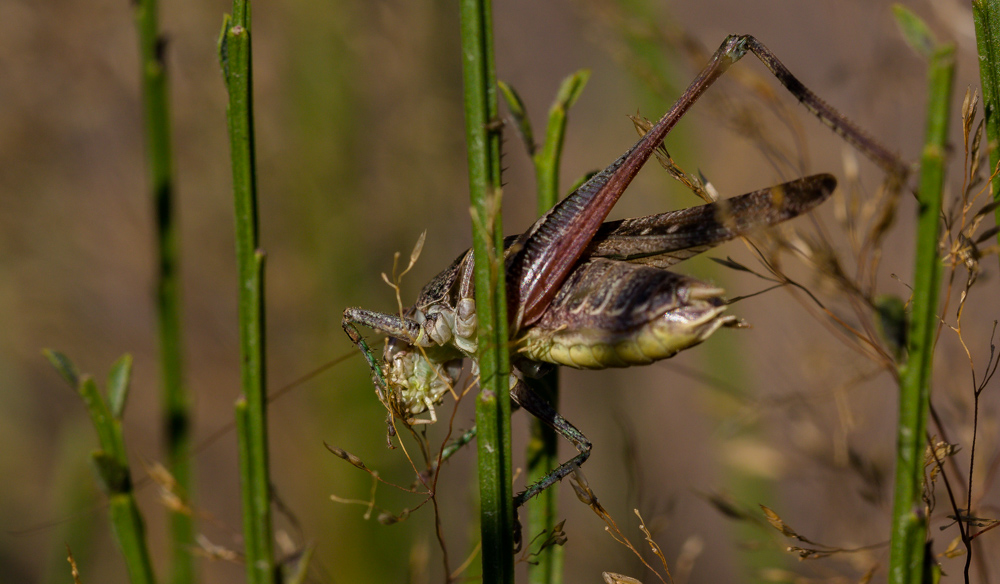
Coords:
111,459
247,503
543,511
235,58
129,530
543,446
493,403
986,15
548,159
176,403
909,522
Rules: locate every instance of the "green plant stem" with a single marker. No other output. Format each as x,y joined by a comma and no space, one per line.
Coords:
176,403
243,458
112,466
909,521
543,445
986,15
129,530
543,510
235,57
493,402
111,459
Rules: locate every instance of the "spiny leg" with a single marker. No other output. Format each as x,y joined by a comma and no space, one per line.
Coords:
457,444
526,398
450,450
837,122
538,407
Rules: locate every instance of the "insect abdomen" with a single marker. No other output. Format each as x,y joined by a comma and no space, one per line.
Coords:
616,314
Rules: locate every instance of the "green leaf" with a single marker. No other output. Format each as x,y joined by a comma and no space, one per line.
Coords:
516,106
571,88
64,367
222,45
118,383
915,31
100,415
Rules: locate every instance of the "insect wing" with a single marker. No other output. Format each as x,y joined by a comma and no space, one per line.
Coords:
668,238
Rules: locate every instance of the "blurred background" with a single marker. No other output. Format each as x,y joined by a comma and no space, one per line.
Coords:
360,142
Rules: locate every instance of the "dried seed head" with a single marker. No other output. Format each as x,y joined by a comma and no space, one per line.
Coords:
341,453
582,488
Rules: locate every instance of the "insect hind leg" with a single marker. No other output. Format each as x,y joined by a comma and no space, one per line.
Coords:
538,407
394,326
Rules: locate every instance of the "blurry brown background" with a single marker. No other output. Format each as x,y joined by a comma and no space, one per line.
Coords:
360,148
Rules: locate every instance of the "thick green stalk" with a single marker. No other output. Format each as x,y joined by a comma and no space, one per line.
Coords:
986,15
176,403
493,402
235,57
909,522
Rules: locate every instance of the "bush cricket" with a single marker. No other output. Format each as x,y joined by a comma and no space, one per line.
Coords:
591,294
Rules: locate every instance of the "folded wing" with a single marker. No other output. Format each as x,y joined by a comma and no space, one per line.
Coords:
668,238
